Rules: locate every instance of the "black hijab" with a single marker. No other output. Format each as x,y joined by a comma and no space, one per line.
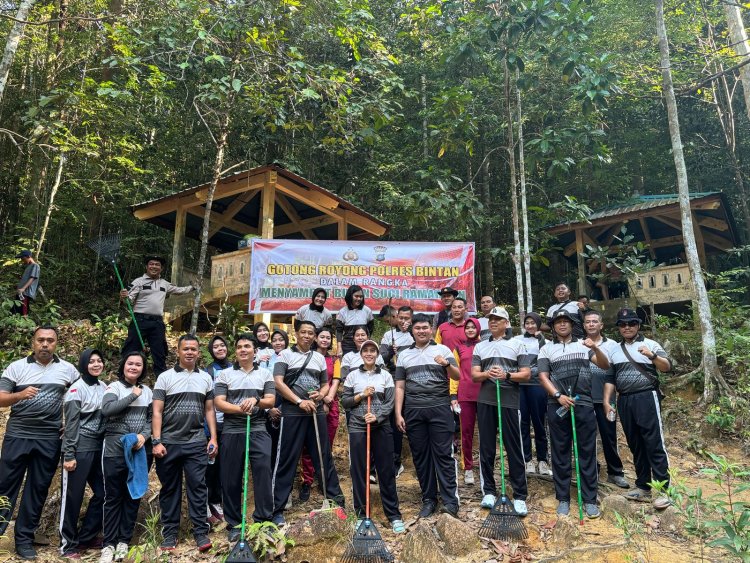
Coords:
225,363
313,306
83,365
258,344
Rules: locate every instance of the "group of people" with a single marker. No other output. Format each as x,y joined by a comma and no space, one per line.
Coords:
426,373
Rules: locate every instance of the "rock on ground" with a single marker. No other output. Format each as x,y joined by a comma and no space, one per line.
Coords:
459,537
420,545
616,504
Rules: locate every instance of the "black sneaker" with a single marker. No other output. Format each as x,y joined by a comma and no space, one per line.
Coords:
26,552
304,492
169,544
451,509
233,535
428,509
203,543
340,500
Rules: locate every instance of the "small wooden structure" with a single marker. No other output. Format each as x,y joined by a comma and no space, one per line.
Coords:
655,221
267,202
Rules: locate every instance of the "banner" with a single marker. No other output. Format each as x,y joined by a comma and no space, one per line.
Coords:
283,273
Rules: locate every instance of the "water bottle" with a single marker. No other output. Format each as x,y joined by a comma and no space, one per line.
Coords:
612,415
562,412
211,460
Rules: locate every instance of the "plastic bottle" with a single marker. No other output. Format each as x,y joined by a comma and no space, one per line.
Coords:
211,460
562,412
612,414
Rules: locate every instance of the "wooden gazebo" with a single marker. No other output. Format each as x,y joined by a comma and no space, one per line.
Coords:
655,221
268,202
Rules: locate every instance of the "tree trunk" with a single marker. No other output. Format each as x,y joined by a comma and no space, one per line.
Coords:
738,38
524,210
514,197
11,44
425,125
485,237
50,204
221,144
712,377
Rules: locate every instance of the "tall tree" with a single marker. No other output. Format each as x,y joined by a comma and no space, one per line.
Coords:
12,42
712,377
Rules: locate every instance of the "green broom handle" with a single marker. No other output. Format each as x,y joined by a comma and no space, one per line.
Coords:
578,469
244,485
500,437
130,307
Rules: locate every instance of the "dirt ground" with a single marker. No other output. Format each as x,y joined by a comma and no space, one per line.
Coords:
595,541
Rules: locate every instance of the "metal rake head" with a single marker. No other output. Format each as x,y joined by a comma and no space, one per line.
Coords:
367,546
503,523
107,246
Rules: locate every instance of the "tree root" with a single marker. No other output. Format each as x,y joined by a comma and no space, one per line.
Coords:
685,379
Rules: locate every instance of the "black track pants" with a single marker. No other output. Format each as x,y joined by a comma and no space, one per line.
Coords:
295,433
430,432
513,444
190,459
88,470
381,446
533,403
153,332
398,440
120,509
37,460
561,440
232,453
608,434
640,415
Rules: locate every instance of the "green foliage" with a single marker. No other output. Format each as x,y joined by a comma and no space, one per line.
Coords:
266,539
147,551
722,520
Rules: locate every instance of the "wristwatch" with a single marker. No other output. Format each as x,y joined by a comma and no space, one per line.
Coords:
155,441
557,395
507,376
298,401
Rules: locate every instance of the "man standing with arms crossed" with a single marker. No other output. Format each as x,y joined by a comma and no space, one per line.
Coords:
183,400
34,388
423,411
147,295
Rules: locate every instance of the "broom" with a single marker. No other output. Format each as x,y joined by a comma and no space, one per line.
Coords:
241,552
578,467
367,546
503,522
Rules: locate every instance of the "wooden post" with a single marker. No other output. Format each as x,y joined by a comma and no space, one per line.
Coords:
343,234
699,242
268,201
178,246
581,263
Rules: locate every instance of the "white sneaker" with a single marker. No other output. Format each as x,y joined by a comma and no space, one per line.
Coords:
520,507
217,510
288,502
544,469
399,471
488,501
530,467
121,551
469,477
108,555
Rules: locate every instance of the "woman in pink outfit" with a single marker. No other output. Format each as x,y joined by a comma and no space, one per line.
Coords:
468,391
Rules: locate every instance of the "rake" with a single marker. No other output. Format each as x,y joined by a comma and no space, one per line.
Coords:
241,552
503,522
578,466
107,247
329,506
367,546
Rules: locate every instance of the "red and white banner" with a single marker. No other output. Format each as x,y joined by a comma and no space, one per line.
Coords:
284,273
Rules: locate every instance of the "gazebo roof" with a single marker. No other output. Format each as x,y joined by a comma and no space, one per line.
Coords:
301,209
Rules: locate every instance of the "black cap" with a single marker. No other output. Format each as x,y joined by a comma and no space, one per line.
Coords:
448,291
625,315
160,259
24,254
562,314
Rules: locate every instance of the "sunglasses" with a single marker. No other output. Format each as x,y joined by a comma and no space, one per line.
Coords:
629,323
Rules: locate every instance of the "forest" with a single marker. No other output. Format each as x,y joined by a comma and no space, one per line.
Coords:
452,120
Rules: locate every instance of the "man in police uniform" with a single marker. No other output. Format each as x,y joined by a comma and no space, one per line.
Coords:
33,388
147,295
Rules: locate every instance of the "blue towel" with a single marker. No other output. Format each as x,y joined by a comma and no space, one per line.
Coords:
137,466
